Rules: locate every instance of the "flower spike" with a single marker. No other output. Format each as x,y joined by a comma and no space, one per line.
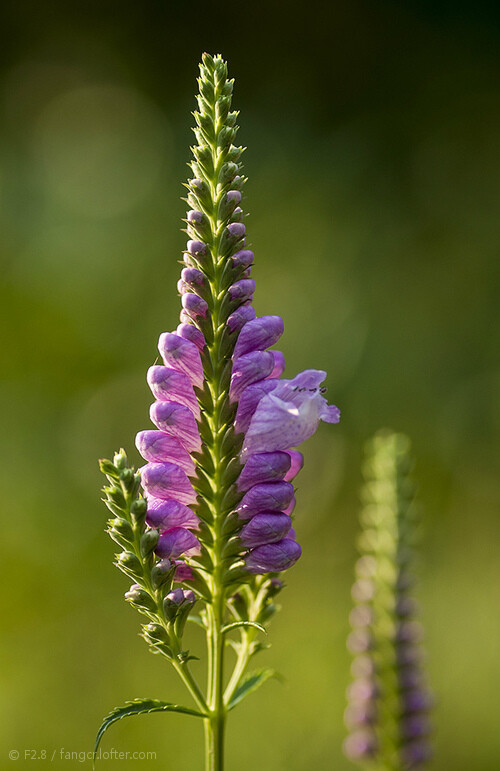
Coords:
388,702
216,495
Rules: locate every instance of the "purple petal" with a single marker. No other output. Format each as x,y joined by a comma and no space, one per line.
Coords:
268,496
169,385
243,258
239,317
176,541
164,515
279,364
287,416
273,557
167,481
158,447
266,527
182,355
176,420
249,369
330,414
190,332
183,572
258,335
248,402
242,290
297,463
264,467
194,304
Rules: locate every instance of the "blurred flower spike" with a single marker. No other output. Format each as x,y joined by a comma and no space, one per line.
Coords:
216,495
388,701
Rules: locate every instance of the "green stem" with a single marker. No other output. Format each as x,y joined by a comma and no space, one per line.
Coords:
191,684
215,725
239,668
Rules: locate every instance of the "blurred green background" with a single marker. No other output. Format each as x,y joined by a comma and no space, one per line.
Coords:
373,135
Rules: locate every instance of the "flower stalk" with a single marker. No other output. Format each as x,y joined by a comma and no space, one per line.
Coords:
216,494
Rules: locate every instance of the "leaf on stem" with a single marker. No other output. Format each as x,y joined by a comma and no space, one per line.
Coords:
237,624
250,684
139,707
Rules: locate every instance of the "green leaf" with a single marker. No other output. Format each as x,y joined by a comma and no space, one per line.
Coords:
237,624
250,684
139,707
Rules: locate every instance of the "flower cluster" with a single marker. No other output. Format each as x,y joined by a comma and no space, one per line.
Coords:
387,714
226,422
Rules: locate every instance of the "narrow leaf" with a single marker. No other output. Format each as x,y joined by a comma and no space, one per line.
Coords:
237,624
250,684
139,707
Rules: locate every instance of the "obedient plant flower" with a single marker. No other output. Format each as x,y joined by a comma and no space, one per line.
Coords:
387,714
207,521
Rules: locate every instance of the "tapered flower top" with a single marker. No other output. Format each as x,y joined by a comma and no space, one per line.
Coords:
222,457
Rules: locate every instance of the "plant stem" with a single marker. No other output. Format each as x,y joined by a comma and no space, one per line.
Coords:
214,726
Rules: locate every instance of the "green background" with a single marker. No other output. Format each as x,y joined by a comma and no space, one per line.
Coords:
373,135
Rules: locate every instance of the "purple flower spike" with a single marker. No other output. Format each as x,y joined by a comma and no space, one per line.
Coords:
240,317
191,333
248,402
178,421
289,415
158,447
194,305
182,355
164,515
273,557
296,464
175,542
243,258
268,496
264,467
196,247
266,527
258,335
242,290
169,385
166,481
249,369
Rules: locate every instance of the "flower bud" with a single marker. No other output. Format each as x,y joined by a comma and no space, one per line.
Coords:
273,557
137,596
149,539
162,573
